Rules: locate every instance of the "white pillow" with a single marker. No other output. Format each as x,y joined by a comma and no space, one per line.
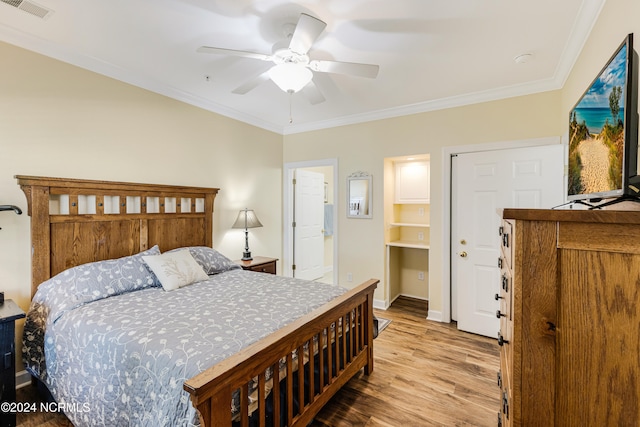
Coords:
175,269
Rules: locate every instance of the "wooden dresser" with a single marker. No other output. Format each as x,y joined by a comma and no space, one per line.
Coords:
569,318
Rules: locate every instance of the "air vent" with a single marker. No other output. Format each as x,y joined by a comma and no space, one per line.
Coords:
30,7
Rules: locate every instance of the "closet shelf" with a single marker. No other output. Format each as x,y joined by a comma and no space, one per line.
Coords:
408,244
408,224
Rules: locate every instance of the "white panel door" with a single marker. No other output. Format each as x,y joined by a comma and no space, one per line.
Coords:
484,182
308,233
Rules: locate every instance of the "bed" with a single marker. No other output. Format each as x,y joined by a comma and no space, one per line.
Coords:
203,363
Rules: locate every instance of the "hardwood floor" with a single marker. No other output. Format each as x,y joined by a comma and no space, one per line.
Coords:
426,374
38,418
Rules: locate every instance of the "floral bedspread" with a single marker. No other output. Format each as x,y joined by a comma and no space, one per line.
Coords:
121,360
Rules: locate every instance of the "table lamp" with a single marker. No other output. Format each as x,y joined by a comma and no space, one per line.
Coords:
246,219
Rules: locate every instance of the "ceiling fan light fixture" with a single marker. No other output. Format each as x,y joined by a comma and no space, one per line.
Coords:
290,77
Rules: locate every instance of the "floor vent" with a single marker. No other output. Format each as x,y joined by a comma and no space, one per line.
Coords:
30,7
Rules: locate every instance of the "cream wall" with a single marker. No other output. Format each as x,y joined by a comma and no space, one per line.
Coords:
363,147
63,121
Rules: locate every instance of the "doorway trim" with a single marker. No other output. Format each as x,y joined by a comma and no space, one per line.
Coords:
447,154
287,199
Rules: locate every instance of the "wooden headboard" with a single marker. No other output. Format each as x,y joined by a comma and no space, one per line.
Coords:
76,221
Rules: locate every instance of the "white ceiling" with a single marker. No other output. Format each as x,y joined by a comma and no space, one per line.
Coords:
432,53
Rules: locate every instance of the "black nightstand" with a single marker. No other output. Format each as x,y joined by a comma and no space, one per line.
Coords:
260,264
9,313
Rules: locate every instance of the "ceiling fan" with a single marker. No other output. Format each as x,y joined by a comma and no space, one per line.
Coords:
293,69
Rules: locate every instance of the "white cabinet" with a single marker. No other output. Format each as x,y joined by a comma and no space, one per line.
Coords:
412,182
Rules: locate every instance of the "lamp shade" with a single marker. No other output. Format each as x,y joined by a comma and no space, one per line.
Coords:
247,219
290,77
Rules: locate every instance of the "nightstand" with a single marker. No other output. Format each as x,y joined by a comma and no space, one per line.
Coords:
9,313
260,264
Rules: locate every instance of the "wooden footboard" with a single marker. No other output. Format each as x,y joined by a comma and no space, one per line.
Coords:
334,342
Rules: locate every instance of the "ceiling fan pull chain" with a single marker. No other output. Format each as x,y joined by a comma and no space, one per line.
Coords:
290,114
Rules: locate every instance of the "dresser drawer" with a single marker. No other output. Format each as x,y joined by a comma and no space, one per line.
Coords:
506,242
506,292
506,392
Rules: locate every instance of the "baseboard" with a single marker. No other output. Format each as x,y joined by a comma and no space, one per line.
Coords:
23,378
380,304
434,315
412,297
384,305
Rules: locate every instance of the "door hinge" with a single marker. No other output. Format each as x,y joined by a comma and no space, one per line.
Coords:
293,181
293,224
293,267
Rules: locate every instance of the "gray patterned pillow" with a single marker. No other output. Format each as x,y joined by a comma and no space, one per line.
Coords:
212,261
101,279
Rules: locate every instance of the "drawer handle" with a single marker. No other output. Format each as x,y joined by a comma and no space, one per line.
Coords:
505,404
499,262
499,314
499,379
498,297
501,340
8,360
505,283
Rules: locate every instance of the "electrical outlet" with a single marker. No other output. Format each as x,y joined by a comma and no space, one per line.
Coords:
421,211
420,275
420,235
349,277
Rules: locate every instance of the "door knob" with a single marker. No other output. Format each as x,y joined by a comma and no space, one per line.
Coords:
463,254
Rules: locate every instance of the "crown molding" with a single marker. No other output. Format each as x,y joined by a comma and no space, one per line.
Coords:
585,20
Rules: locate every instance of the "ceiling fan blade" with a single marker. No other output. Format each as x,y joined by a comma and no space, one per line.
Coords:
312,93
351,68
251,84
307,31
242,53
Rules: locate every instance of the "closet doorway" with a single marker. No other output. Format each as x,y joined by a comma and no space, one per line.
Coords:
407,226
310,244
481,183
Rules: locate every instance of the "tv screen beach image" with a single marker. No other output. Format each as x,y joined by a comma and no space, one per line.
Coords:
596,132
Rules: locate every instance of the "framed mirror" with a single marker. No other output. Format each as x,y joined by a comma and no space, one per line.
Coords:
359,195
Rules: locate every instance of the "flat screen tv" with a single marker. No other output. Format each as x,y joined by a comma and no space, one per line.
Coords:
603,133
